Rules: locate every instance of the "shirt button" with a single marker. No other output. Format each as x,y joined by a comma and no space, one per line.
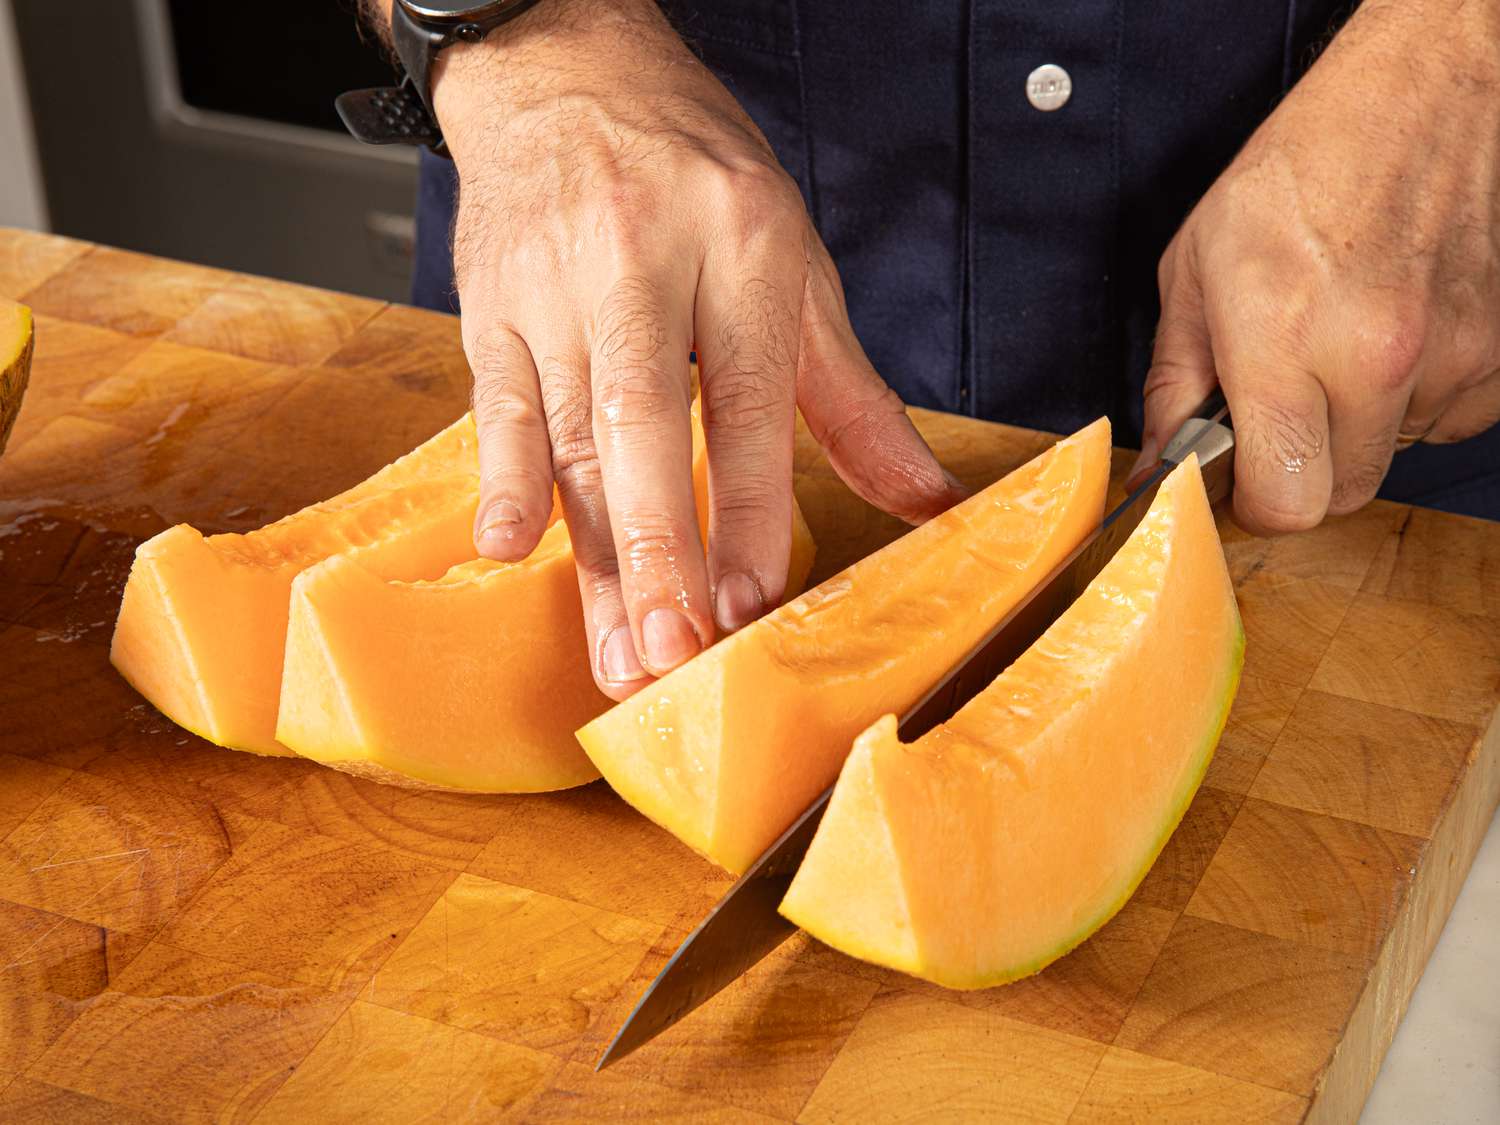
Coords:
1048,87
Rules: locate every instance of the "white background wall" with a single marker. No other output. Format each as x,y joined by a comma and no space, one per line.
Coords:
22,203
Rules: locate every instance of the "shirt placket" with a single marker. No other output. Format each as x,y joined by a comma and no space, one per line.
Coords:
1042,163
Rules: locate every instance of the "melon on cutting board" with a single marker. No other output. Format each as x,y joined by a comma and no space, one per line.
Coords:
424,682
412,661
1001,839
202,626
726,750
16,343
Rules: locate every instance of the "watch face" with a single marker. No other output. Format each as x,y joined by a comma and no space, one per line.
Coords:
457,10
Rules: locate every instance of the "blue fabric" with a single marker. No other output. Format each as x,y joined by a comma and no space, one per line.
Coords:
999,261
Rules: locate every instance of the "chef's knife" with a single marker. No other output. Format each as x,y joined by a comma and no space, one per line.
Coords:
746,925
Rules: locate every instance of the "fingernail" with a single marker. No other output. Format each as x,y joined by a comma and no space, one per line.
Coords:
738,602
669,640
501,514
620,663
500,522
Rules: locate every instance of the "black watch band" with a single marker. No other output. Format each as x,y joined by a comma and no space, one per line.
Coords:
403,115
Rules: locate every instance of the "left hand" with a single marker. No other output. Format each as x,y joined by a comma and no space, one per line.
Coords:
1341,279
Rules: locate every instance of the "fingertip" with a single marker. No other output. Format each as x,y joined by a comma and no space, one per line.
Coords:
504,533
668,639
933,498
619,693
618,671
1260,518
1142,467
737,602
957,489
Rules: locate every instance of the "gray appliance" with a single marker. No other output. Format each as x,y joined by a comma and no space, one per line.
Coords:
205,131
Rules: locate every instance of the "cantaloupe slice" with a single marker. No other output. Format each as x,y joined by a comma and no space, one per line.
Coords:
1001,839
728,749
16,343
202,625
479,688
474,681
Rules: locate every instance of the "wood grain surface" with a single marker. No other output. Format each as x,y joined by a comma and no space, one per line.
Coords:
188,933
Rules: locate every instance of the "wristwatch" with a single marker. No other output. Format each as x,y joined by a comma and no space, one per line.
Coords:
402,115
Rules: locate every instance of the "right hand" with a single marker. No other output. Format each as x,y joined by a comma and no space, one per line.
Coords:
618,209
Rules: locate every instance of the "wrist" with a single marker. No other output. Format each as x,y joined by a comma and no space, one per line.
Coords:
553,46
1462,39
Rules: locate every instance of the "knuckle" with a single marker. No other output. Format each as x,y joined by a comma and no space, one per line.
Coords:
535,258
1280,434
745,501
622,212
629,325
1355,489
746,396
1359,480
566,405
752,377
575,464
863,421
498,403
519,482
1471,345
594,558
601,578
760,208
757,182
630,399
1389,343
651,539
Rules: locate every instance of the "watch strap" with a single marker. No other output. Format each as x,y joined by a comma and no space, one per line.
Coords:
416,47
389,115
403,114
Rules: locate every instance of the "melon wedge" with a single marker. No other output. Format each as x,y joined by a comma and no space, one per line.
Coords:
725,751
1001,839
202,625
473,681
16,343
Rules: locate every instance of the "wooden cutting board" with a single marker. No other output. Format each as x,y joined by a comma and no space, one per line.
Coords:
190,932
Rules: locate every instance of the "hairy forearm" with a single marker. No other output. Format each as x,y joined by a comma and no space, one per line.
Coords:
555,45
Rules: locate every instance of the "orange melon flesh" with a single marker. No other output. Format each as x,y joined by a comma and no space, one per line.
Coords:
15,363
202,625
1001,839
474,681
726,750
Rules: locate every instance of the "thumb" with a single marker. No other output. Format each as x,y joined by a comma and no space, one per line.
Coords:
1182,367
859,421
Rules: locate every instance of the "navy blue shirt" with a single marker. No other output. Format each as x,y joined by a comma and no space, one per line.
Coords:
1000,261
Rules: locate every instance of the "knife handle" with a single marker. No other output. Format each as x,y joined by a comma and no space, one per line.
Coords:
1210,435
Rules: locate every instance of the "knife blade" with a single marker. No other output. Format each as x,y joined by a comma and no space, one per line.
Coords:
745,925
